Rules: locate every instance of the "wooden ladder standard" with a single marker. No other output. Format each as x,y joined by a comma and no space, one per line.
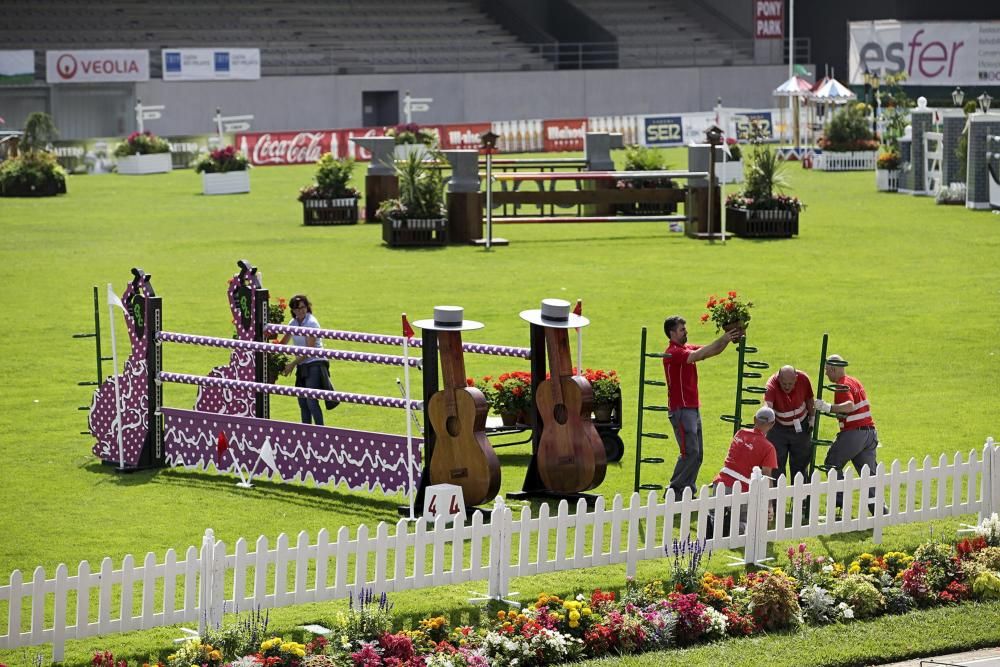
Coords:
743,373
822,384
643,408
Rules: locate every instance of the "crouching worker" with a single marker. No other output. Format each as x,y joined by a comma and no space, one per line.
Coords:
749,449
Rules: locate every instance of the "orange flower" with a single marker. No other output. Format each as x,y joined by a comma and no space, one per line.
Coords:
732,295
704,317
730,305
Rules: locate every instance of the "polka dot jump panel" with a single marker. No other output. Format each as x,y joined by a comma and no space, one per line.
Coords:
233,400
358,459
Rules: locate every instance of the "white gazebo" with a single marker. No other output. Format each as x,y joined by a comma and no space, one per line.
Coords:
827,92
795,89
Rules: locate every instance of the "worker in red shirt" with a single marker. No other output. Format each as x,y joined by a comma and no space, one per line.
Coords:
682,397
790,393
857,440
749,449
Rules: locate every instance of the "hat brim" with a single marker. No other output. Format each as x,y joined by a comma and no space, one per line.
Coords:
535,317
431,325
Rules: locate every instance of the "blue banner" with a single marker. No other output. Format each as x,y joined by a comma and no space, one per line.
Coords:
663,131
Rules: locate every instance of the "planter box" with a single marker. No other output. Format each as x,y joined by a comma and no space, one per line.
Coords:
138,165
49,188
729,172
887,180
846,161
430,231
330,211
228,183
762,224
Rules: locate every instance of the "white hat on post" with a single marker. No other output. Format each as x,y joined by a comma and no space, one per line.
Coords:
555,313
448,318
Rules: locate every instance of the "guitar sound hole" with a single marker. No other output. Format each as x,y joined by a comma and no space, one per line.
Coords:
559,412
454,426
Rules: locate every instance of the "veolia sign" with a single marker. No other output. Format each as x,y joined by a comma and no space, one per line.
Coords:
93,65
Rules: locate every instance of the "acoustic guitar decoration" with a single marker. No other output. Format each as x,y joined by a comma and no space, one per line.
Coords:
571,457
462,454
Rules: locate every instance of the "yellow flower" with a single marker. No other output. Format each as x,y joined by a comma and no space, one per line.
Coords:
574,616
574,624
215,655
501,614
587,611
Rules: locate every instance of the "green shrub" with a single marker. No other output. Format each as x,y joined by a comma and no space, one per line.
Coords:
860,593
331,180
987,586
32,173
145,143
849,129
641,158
421,191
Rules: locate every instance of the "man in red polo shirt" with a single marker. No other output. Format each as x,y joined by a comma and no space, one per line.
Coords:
858,439
682,397
790,393
749,449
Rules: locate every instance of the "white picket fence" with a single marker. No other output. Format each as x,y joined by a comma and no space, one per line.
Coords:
212,581
846,161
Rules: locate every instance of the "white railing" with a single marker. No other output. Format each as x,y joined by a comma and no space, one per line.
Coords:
887,180
846,161
213,581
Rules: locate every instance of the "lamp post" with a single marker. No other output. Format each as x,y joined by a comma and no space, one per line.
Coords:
489,147
958,96
877,97
984,101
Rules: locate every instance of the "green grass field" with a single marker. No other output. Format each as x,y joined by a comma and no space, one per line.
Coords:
907,290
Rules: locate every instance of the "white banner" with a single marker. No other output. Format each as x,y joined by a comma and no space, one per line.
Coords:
210,64
945,53
17,67
89,66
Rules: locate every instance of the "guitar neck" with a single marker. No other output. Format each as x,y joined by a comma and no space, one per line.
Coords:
452,361
557,346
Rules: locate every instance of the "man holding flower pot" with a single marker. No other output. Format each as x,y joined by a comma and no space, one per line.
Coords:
682,396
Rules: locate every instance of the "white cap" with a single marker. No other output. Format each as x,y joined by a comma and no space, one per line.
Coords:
765,415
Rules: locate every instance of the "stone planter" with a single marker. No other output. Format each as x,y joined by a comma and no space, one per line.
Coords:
228,183
887,180
342,211
429,231
139,165
729,172
403,151
762,224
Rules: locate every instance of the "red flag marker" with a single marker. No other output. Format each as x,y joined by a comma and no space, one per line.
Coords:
407,329
221,448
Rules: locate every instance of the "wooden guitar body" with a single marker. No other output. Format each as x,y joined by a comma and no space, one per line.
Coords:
570,455
463,455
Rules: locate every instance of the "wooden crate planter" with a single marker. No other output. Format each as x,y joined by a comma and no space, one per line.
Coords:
342,211
887,180
429,231
227,183
140,165
762,224
49,188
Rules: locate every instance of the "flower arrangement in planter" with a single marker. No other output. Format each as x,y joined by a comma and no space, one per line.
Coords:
509,395
849,129
728,312
688,606
412,139
330,200
607,392
762,209
418,216
887,170
143,153
224,171
641,158
34,172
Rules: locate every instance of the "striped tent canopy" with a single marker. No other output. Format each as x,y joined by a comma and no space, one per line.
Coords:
831,90
794,87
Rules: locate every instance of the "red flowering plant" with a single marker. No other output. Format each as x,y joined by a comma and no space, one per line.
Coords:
727,311
511,393
142,143
411,133
221,161
606,385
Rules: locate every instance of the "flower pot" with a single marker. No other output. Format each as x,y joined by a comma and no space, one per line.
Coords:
602,412
887,180
762,224
414,232
228,183
139,165
403,151
343,211
508,418
737,324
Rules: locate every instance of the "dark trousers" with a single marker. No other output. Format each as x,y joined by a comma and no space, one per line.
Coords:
857,447
310,376
687,430
792,448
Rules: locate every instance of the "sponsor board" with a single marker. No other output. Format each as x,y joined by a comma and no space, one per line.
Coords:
467,136
566,134
87,66
769,19
17,67
944,53
210,64
663,130
751,123
96,156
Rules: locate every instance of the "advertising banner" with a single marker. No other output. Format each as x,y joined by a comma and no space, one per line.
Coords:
769,19
663,130
567,134
945,53
210,64
465,136
274,148
96,155
753,123
92,65
17,67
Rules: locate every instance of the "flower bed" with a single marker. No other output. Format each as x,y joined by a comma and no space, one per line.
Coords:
686,607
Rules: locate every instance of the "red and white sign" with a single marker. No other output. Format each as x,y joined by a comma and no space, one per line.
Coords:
269,148
90,66
769,19
564,134
463,136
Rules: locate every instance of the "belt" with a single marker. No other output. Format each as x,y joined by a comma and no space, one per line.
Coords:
861,428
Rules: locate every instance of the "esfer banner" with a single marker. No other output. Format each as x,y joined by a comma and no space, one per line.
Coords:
930,53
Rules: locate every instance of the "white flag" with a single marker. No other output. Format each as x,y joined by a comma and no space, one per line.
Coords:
113,299
267,456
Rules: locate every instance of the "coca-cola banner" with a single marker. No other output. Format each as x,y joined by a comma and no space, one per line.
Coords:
94,65
564,134
267,148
